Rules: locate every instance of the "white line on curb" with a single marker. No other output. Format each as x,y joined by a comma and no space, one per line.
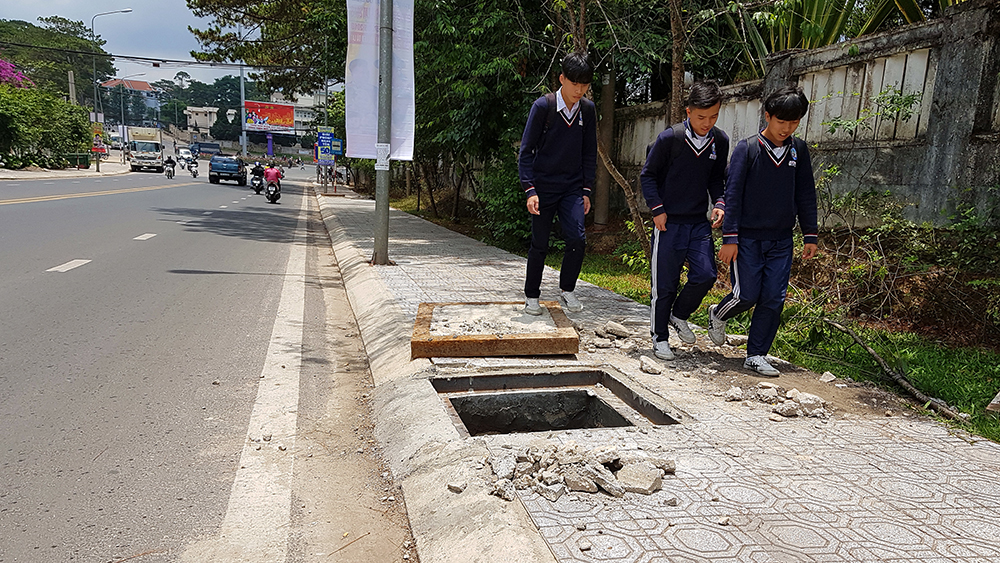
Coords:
258,518
146,236
68,266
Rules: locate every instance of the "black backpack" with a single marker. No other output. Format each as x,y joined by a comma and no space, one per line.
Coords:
676,146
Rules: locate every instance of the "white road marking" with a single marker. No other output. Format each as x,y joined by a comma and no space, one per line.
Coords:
76,181
68,266
207,213
223,206
258,518
49,183
235,202
146,236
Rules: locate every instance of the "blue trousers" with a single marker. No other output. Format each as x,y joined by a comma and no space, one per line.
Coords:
671,248
569,207
760,281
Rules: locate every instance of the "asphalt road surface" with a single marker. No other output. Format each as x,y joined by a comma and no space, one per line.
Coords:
138,318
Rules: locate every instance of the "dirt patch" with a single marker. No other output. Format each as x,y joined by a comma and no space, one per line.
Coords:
347,506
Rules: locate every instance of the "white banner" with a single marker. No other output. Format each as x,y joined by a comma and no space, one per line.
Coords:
361,77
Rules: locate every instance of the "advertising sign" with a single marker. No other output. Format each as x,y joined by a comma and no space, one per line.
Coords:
324,146
270,117
98,136
362,84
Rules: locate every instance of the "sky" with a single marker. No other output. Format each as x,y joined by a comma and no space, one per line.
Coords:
154,28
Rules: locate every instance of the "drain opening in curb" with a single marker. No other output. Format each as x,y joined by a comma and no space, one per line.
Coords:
535,411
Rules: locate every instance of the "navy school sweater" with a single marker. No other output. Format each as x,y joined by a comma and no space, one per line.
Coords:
564,156
764,197
680,182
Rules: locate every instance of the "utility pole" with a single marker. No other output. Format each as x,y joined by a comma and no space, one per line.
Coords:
381,254
243,100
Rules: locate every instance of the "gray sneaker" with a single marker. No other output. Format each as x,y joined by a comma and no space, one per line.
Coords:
760,365
662,350
716,327
683,330
570,301
532,307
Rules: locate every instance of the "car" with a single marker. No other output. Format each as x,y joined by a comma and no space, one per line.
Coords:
226,168
184,154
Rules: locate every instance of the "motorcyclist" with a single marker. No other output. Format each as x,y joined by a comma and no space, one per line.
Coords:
257,169
273,174
170,163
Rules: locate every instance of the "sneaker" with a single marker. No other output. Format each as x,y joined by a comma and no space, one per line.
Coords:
662,350
532,307
759,364
572,304
716,327
683,330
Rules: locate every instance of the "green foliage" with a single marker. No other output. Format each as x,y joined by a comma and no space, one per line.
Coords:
225,130
502,213
37,127
631,252
48,69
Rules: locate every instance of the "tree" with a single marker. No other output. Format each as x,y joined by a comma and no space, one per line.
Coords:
183,77
299,41
48,68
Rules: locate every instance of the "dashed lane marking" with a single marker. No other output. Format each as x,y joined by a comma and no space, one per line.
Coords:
223,206
207,213
58,197
68,266
146,236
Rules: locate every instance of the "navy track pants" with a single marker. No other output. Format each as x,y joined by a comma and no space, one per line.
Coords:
569,207
671,248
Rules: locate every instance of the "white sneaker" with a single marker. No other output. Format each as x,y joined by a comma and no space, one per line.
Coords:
759,364
683,330
716,327
572,304
532,307
662,350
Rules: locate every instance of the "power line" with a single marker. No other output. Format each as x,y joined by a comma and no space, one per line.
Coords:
173,63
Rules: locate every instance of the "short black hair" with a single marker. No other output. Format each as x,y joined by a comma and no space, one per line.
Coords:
704,94
576,68
787,104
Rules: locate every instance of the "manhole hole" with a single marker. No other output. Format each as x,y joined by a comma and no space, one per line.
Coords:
536,402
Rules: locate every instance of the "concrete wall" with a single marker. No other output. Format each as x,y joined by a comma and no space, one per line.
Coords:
948,150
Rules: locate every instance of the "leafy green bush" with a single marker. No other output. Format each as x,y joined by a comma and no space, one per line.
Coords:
502,213
34,125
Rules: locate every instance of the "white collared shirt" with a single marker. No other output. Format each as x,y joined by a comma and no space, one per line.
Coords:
568,112
698,142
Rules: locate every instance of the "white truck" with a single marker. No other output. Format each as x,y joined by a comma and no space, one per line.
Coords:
145,148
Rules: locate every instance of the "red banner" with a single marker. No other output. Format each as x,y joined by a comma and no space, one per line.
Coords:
268,116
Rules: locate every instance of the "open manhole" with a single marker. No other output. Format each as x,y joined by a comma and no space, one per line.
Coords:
537,402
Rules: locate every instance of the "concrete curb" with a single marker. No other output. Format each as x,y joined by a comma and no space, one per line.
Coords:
422,446
55,174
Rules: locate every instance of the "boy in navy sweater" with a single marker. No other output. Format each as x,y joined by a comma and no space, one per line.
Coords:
685,171
557,165
770,185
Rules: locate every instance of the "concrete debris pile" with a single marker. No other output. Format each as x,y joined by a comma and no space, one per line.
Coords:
790,404
552,470
613,335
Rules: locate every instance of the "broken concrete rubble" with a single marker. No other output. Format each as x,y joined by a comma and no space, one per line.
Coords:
503,465
649,365
640,477
616,329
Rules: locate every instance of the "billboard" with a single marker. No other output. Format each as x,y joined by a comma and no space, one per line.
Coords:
269,116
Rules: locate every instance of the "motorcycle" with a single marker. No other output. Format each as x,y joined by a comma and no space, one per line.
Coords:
257,183
273,192
169,171
193,167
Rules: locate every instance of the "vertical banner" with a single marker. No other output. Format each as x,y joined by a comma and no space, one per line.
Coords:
361,78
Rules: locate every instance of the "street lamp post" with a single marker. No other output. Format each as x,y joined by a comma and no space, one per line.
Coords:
94,77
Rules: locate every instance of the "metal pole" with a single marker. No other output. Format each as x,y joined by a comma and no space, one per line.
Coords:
243,101
381,254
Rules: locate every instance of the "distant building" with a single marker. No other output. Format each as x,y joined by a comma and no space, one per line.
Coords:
308,108
150,95
200,120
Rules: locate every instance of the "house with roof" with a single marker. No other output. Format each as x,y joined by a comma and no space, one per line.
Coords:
149,94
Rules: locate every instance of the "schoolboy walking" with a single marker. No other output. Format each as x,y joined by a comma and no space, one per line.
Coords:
685,170
770,185
557,165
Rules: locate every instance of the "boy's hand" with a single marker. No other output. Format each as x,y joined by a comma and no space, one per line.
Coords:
533,205
717,215
586,204
809,251
660,222
728,253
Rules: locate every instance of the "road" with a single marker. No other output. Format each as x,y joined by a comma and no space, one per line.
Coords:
148,384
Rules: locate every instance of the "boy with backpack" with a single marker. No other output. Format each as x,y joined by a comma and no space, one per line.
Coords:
770,185
557,164
685,171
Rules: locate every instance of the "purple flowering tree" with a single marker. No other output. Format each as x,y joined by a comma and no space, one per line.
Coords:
10,75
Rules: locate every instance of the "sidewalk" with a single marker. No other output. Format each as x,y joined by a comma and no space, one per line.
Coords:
110,167
749,486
